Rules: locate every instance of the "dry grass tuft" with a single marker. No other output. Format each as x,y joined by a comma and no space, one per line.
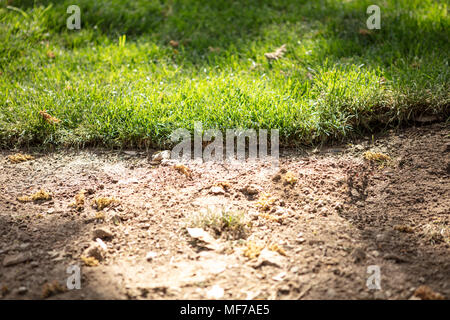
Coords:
41,195
51,289
277,54
253,250
265,202
103,202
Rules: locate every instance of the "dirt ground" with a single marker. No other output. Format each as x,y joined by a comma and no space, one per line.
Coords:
343,214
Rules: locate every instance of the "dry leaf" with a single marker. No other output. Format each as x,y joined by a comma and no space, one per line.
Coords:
253,250
50,54
364,32
174,44
426,293
18,157
181,168
49,118
277,54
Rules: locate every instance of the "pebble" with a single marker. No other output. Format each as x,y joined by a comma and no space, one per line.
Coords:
12,260
217,190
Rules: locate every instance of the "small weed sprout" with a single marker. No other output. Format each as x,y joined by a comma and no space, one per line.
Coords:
229,223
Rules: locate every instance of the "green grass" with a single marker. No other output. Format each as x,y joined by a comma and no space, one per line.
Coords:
328,86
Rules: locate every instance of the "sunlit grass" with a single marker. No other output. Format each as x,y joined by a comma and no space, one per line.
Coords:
331,83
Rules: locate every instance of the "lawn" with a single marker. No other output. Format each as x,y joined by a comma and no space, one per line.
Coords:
138,70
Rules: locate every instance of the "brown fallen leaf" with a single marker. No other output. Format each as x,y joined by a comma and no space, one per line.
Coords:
174,44
50,119
181,168
364,32
277,54
51,54
18,157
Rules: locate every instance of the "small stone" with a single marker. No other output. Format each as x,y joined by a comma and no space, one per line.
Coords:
51,211
375,253
12,260
280,276
102,233
269,258
162,155
217,190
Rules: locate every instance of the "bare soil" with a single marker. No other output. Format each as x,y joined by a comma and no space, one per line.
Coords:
343,214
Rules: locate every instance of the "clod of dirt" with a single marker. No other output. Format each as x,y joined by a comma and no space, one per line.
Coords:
250,190
181,168
93,251
38,196
19,157
51,289
102,233
426,293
